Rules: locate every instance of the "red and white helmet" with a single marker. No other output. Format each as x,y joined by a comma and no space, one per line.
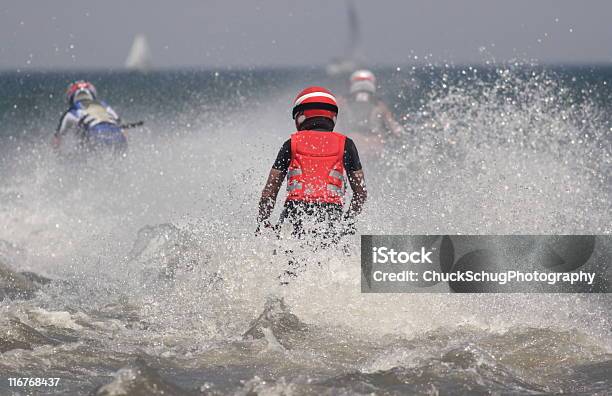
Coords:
81,88
363,81
314,102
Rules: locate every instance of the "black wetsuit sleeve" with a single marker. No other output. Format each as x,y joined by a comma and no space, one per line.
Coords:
352,162
283,159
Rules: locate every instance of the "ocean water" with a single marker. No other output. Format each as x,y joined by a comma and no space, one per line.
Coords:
158,285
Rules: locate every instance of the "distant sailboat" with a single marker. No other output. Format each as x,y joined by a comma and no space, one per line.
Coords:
140,55
349,63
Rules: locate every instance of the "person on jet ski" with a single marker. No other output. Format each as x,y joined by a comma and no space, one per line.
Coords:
366,116
317,163
95,124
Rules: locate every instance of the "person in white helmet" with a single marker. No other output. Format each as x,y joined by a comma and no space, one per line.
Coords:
367,116
93,121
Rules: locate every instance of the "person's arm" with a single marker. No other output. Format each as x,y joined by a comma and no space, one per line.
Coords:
117,119
269,194
67,122
356,178
113,113
391,124
360,193
273,184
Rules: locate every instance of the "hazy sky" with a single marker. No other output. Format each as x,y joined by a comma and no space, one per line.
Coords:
83,34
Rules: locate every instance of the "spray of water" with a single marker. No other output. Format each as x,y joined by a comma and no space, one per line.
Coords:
160,245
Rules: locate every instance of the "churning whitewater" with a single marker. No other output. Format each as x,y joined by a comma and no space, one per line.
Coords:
142,275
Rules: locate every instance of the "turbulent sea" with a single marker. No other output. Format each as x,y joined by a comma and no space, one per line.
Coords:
159,286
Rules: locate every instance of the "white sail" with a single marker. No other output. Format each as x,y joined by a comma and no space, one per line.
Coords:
353,53
140,55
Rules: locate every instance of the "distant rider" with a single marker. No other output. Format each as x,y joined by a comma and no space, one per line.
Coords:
366,116
315,160
93,121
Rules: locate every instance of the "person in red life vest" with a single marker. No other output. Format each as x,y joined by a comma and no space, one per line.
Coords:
315,161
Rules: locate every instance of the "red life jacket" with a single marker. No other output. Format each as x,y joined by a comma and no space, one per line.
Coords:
316,170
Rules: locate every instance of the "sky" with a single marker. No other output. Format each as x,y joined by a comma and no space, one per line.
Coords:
67,34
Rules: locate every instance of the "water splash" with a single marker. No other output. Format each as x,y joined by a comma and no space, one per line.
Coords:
160,246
